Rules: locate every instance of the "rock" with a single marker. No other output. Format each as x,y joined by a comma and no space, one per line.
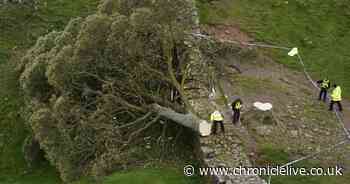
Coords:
263,130
208,152
318,149
223,165
294,133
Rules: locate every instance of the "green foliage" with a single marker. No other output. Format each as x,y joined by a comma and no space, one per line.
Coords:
34,81
58,72
68,36
32,152
54,142
91,39
20,27
101,73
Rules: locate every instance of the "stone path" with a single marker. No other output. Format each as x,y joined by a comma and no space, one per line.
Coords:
229,151
288,86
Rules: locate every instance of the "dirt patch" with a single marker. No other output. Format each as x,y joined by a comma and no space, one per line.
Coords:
227,32
234,33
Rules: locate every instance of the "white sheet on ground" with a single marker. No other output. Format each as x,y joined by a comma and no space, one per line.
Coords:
263,106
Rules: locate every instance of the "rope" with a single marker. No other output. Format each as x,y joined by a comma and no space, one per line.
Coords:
307,73
309,78
300,59
314,154
310,156
242,43
337,113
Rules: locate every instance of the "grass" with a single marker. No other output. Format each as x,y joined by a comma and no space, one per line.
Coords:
321,29
13,129
148,176
20,26
43,174
252,85
272,155
310,179
275,155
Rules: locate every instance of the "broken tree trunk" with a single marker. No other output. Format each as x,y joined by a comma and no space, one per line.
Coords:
189,120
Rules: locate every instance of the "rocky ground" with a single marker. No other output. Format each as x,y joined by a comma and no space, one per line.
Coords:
298,124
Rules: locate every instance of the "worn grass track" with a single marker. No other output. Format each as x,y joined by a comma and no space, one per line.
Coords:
321,29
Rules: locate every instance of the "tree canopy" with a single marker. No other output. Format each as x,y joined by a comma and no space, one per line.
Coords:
91,88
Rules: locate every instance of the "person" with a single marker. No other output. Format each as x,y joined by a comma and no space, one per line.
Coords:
336,98
217,118
324,85
236,109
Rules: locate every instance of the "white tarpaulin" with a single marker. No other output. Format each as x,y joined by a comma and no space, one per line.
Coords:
293,52
263,106
204,128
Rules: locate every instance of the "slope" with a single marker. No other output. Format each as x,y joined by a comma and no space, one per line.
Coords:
298,125
319,28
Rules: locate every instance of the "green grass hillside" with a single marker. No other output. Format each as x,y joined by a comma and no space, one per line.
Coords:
20,26
147,176
321,29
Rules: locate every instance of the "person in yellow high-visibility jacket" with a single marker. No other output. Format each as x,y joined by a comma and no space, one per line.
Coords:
217,118
336,98
324,85
236,109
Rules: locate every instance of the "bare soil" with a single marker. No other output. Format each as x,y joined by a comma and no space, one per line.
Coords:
294,99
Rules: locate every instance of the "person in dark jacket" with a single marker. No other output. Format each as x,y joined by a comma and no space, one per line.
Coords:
236,109
324,85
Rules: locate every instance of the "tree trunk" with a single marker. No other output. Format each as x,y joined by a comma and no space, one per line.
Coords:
188,120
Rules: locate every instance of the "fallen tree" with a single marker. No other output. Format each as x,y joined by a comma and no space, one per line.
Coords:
91,89
189,120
